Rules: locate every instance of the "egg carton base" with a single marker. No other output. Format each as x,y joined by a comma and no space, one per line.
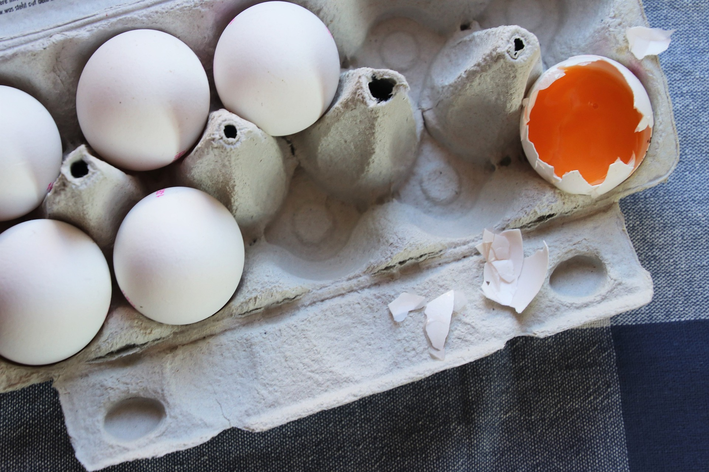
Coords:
319,292
289,362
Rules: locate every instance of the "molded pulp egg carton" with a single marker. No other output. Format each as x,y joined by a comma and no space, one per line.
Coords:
389,192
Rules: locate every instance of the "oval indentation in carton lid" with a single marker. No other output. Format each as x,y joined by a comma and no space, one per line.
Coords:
134,418
579,276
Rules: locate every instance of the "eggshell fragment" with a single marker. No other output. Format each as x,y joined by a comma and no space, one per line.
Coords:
276,64
405,303
30,153
573,181
142,100
644,41
508,278
438,320
55,291
178,256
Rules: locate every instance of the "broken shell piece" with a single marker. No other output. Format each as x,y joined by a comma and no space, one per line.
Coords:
364,147
438,320
92,195
473,95
403,304
241,166
586,125
509,279
644,41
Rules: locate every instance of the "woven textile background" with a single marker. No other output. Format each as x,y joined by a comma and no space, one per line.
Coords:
633,396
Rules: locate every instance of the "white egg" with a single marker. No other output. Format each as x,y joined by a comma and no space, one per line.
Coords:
586,125
55,291
30,153
276,64
178,256
142,100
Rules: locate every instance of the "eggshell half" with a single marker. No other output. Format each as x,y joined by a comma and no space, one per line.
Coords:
573,182
30,153
178,256
55,291
276,64
142,100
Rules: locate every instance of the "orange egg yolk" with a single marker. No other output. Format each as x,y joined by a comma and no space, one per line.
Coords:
586,120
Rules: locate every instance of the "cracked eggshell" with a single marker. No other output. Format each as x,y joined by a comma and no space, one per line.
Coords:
55,291
405,303
276,64
644,41
178,256
30,152
618,171
142,100
509,278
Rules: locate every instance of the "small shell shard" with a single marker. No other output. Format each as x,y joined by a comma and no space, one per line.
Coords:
531,279
438,320
436,354
437,331
529,274
459,300
505,269
405,303
644,41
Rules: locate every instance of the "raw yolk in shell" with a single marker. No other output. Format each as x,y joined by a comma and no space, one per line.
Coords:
586,120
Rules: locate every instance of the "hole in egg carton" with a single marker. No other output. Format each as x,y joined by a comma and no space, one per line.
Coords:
134,418
579,276
230,131
79,169
516,48
381,89
506,161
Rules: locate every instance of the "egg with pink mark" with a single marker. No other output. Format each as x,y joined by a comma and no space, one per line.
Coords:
142,100
178,256
30,153
276,64
55,291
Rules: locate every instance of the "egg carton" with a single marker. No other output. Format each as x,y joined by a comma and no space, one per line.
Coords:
388,192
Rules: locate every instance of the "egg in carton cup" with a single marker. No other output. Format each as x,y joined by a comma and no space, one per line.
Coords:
389,191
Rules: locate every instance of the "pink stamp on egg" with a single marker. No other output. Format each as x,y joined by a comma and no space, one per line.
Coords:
159,193
50,186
